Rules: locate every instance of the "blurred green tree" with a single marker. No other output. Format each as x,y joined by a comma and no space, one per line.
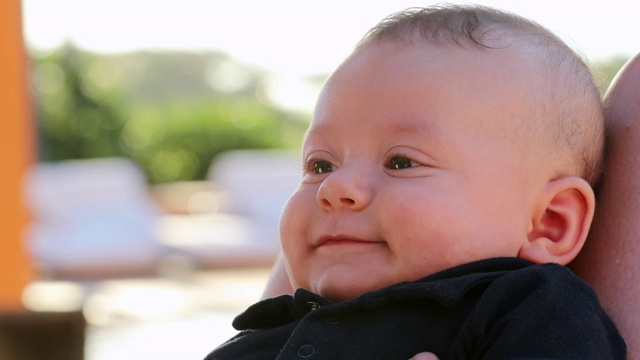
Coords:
179,141
78,108
170,112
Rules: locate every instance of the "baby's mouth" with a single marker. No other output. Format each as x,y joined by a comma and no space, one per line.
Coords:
343,240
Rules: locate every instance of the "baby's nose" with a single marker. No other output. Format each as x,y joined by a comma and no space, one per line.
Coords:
345,189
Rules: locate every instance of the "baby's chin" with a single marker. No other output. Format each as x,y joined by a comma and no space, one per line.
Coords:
338,295
343,283
344,292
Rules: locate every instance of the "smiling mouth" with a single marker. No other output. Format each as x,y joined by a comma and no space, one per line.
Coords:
344,242
340,240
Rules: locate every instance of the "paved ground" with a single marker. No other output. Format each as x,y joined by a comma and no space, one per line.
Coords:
178,318
168,318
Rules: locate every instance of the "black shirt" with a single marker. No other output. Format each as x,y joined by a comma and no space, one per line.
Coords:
492,309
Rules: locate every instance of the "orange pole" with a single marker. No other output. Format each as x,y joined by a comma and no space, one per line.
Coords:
16,153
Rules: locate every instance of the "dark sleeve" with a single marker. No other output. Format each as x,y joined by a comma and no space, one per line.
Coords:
541,312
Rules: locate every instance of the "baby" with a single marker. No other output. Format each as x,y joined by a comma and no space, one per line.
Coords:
448,174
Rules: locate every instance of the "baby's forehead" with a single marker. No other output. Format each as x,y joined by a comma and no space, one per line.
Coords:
526,58
508,74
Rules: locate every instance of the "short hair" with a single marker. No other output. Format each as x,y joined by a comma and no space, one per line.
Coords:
575,105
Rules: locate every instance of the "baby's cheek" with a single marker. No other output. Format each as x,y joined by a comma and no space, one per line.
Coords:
293,218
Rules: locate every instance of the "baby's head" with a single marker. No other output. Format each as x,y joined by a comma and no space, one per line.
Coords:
558,85
450,134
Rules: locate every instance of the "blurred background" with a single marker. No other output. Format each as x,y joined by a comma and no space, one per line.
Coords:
165,136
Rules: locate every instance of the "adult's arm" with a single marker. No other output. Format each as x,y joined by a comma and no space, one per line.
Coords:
610,261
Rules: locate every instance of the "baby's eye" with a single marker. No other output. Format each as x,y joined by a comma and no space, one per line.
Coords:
321,167
400,162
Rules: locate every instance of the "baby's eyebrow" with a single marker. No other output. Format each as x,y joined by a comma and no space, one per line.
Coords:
411,125
400,125
319,131
321,128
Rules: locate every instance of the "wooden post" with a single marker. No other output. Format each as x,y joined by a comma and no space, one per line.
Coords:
16,153
24,334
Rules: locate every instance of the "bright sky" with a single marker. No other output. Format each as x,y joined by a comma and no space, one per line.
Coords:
293,37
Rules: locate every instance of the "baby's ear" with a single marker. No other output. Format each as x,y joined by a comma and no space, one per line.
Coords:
560,222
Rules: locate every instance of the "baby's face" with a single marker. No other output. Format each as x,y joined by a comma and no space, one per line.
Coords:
411,168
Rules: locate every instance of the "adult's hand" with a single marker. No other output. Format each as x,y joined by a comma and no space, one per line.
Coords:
278,282
425,356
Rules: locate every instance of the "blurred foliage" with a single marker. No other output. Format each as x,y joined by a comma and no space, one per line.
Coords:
170,112
192,134
605,70
78,108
